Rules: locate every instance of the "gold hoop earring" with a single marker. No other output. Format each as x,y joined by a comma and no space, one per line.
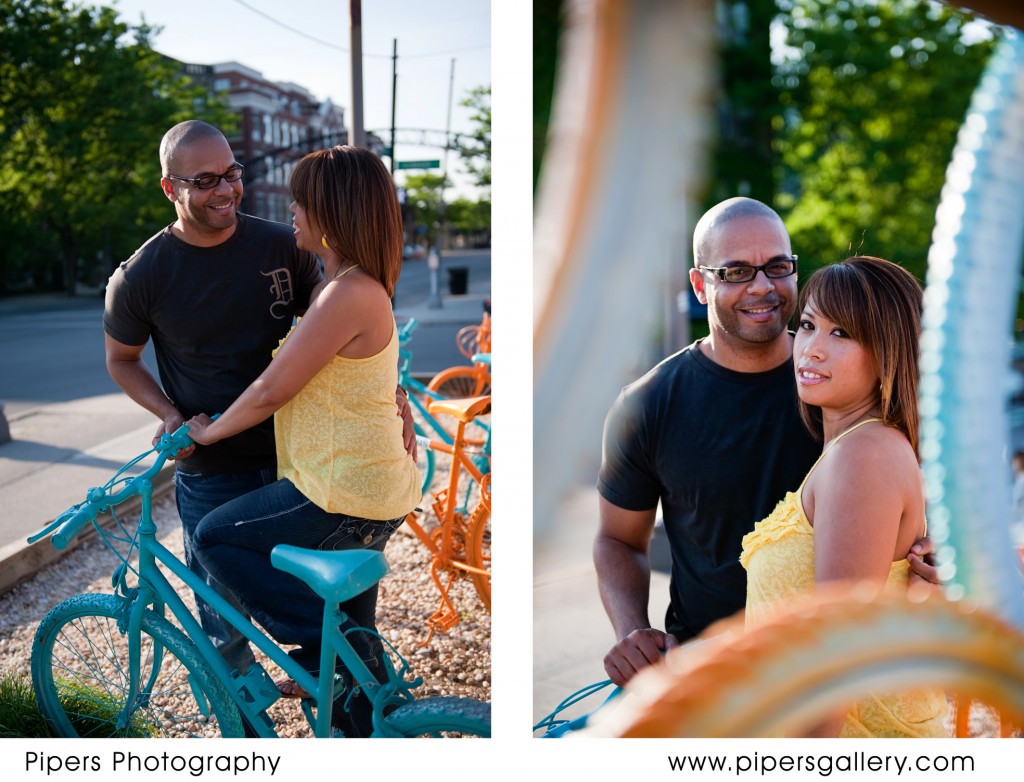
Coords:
323,241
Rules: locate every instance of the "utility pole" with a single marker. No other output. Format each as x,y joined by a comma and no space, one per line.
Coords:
356,133
434,255
394,96
447,145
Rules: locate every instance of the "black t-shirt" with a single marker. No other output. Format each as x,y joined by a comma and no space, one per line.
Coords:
214,315
719,449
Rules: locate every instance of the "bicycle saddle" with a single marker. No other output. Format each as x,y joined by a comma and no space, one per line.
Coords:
334,575
462,409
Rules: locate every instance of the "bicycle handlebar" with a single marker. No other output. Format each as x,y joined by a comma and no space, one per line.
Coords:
98,500
73,526
405,333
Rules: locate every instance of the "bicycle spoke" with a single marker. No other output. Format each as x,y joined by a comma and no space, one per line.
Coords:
80,671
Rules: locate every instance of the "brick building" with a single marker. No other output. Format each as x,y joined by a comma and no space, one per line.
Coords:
279,122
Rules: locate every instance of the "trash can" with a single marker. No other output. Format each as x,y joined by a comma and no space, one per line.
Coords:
458,280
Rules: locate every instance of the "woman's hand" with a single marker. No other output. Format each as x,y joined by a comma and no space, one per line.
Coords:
198,429
405,412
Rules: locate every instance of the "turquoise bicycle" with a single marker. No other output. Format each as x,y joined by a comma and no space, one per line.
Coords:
114,665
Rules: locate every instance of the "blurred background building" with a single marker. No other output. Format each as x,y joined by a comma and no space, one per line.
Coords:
278,122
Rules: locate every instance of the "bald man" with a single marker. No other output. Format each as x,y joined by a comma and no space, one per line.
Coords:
714,435
216,290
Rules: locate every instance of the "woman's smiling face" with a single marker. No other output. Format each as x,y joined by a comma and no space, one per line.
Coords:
833,370
307,234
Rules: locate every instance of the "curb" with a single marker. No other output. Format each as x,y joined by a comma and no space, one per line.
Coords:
20,561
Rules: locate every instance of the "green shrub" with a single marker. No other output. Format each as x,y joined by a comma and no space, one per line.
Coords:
20,717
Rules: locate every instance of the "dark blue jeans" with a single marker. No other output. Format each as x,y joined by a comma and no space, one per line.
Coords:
196,496
234,543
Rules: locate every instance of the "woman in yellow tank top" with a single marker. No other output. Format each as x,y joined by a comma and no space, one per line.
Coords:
345,479
861,507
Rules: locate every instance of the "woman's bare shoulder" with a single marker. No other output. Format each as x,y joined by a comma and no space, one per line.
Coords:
875,447
873,460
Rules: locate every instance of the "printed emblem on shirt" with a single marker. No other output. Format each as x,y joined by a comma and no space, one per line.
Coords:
281,289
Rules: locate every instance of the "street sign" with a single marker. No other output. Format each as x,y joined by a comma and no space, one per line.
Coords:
419,164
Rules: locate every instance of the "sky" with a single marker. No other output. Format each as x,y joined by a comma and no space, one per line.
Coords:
307,42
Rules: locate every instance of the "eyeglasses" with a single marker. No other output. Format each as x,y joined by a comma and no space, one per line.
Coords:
210,181
773,270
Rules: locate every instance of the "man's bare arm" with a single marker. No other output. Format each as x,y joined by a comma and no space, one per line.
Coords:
624,581
127,369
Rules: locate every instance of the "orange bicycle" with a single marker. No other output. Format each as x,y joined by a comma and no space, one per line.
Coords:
460,541
468,381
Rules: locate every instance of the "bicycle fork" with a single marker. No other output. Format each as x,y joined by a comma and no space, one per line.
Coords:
139,693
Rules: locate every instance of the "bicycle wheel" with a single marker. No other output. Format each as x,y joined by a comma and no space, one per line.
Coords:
80,675
424,461
478,543
786,675
441,717
472,340
461,382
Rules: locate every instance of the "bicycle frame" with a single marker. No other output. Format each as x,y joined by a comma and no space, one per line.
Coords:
460,460
444,505
411,384
253,692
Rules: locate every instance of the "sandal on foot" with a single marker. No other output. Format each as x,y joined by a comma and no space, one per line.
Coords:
290,689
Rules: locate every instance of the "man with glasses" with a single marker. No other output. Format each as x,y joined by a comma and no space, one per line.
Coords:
713,434
216,291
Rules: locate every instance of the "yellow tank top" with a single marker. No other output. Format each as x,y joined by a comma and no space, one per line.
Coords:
340,442
779,558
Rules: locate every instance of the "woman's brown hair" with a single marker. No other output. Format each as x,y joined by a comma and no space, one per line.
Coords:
349,194
878,303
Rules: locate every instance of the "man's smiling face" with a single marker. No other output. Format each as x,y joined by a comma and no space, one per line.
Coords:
205,216
756,311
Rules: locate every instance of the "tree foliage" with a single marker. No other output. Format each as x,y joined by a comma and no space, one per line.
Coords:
476,151
742,161
872,94
547,31
423,197
84,101
469,217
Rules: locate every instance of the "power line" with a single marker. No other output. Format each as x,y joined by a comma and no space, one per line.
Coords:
336,47
289,28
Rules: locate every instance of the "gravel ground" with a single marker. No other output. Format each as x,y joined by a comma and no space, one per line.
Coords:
454,663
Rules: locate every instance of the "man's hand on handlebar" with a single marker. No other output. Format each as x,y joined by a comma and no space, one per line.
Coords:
170,425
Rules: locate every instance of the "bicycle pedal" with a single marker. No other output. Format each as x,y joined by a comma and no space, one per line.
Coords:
443,621
256,687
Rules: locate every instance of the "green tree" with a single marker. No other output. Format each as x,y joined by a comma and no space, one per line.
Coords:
470,219
423,198
547,31
873,93
476,151
84,101
743,161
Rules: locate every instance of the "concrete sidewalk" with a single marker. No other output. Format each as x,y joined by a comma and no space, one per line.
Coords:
571,633
46,468
40,475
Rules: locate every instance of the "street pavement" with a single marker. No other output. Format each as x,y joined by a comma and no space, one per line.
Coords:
70,432
571,633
